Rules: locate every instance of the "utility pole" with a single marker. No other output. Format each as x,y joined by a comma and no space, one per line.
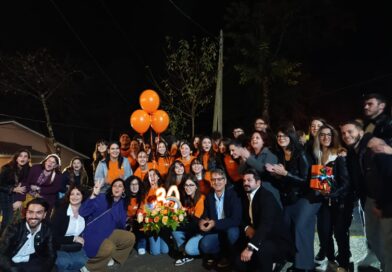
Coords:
218,108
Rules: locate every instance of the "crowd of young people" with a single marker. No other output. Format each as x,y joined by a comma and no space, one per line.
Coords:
248,199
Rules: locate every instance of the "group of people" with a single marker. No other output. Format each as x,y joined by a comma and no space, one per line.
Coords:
248,199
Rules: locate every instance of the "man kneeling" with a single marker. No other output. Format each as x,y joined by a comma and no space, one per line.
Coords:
27,245
268,241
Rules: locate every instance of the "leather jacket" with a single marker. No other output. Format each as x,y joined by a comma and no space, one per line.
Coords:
383,127
296,184
14,238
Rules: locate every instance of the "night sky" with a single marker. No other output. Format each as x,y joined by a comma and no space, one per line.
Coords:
347,53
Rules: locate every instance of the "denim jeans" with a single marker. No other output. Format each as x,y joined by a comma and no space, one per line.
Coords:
212,243
141,241
158,246
191,246
70,261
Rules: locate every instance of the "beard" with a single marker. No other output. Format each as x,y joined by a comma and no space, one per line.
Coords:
247,189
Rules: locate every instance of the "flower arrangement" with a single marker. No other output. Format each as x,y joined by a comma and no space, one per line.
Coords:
322,178
160,215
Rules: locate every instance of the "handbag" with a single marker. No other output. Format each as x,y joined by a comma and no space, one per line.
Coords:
73,247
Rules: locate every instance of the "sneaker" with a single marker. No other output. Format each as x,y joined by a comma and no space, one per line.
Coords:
223,263
319,257
141,251
183,261
369,259
84,269
111,262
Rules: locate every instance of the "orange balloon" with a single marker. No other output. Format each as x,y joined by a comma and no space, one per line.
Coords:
140,121
149,101
159,121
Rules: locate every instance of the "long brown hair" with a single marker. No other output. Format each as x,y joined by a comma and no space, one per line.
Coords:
18,173
334,146
71,173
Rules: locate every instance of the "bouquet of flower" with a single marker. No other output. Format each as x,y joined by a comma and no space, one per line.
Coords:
322,178
162,215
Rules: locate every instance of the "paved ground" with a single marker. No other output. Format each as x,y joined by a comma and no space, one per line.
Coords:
164,263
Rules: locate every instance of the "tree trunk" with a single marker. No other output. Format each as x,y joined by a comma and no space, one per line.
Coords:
266,98
193,125
48,123
218,108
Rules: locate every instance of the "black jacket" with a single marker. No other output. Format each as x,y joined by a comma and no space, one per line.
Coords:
383,195
14,238
296,183
268,222
231,206
383,127
356,167
59,224
342,188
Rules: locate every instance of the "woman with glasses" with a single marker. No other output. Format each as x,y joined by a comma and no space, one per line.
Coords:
335,215
203,177
136,205
187,237
292,177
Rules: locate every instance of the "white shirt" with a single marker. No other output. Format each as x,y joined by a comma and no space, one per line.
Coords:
23,255
76,224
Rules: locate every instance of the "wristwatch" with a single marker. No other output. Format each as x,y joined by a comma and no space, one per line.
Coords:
250,248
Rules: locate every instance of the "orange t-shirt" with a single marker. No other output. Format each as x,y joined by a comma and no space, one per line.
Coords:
114,172
232,168
133,207
206,157
187,164
163,165
198,209
142,173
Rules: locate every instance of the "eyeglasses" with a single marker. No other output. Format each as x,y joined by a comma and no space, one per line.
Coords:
189,185
134,184
217,179
279,136
325,135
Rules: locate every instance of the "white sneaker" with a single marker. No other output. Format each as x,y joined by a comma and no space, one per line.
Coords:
369,259
84,269
183,261
111,262
141,251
